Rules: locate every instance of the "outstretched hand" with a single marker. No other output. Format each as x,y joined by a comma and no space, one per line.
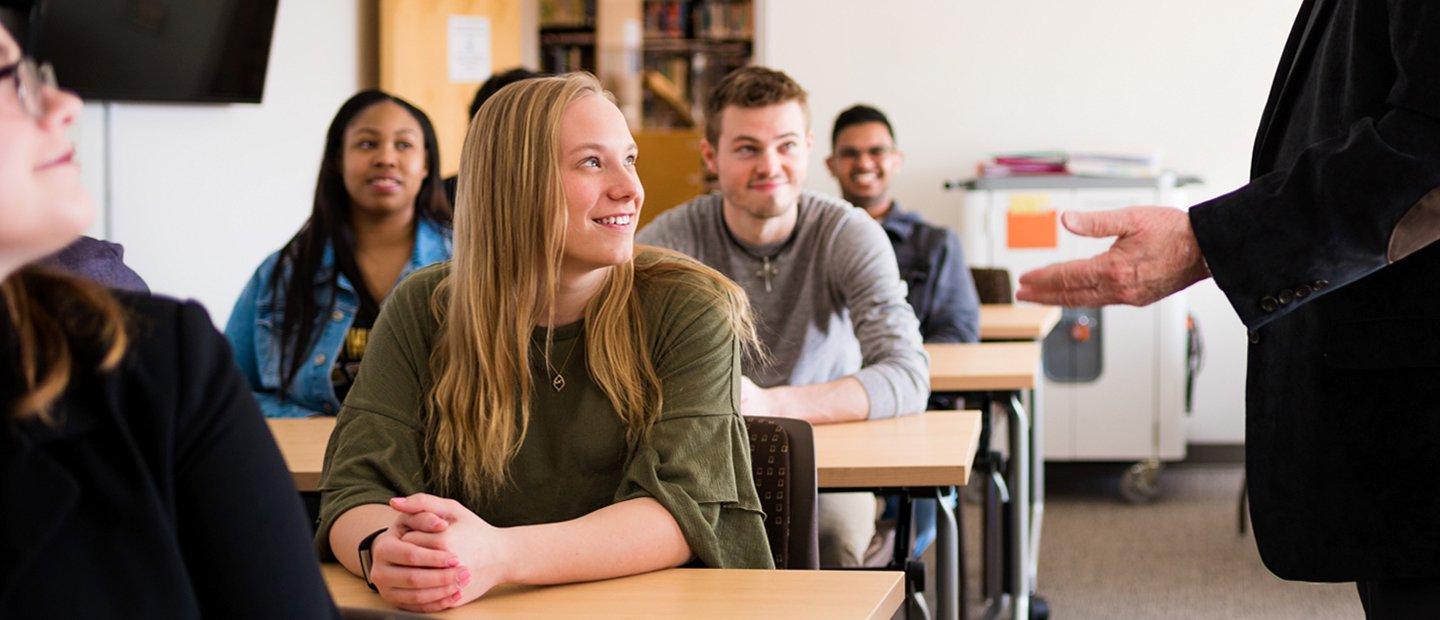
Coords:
1155,255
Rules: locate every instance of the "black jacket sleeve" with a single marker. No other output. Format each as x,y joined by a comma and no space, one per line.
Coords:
241,525
1347,206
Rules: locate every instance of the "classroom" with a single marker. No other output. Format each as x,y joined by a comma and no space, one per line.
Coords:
717,308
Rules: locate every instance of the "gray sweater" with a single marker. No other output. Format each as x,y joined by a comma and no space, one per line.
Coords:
836,305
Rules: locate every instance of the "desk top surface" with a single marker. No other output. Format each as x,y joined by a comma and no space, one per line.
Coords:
1017,321
935,448
674,593
930,449
983,366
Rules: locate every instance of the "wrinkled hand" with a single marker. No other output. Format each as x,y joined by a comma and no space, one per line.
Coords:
413,577
447,526
1156,255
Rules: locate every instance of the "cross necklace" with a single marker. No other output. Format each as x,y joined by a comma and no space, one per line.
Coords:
768,269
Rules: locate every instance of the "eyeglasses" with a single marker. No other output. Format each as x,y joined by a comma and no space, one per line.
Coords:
30,81
875,152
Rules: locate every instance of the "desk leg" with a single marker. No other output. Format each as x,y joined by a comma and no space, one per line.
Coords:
1019,514
994,494
1037,485
949,584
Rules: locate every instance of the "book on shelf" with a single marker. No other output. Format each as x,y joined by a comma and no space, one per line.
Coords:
567,14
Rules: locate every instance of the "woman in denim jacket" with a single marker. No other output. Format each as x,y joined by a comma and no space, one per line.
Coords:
379,214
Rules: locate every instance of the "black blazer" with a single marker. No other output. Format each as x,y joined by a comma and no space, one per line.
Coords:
160,494
1343,394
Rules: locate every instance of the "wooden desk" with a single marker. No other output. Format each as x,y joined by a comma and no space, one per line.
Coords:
1000,372
934,449
1017,321
302,443
930,449
674,593
983,366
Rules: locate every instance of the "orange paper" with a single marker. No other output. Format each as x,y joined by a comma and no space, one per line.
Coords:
1031,229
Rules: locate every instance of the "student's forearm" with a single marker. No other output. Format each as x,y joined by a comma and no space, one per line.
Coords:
841,400
631,537
354,525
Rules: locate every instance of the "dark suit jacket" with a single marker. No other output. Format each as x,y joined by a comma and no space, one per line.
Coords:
1327,257
160,494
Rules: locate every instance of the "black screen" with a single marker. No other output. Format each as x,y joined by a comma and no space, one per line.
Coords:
157,50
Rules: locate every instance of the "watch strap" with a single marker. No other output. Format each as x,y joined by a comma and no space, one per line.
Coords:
365,556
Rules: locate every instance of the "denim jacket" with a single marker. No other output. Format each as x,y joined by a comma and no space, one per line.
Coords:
254,330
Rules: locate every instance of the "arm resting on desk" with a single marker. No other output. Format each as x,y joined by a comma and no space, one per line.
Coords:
626,538
841,400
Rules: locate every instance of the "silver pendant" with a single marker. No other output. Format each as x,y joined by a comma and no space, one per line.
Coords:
767,271
558,382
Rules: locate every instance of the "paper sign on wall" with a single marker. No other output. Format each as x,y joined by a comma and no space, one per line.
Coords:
1030,222
469,49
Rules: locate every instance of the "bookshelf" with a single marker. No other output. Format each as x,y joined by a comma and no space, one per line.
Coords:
689,45
660,58
567,35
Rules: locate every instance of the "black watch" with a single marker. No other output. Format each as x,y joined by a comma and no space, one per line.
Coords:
365,544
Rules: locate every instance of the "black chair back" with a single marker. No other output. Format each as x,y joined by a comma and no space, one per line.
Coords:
993,285
782,452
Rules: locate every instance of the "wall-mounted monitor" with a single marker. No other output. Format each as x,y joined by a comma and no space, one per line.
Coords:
212,51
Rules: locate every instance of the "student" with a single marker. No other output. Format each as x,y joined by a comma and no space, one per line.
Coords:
483,94
553,406
137,476
820,275
942,293
379,214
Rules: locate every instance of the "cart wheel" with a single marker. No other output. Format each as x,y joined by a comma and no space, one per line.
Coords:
1039,609
1141,483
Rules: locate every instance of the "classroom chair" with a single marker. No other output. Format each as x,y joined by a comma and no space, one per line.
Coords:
993,285
782,452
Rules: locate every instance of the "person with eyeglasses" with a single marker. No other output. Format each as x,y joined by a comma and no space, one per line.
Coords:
95,259
137,476
864,161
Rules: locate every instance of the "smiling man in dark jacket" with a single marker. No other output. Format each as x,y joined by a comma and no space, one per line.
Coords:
1327,257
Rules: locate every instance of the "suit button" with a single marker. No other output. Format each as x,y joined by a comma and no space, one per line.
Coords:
1320,284
1269,304
1303,291
1286,296
1254,336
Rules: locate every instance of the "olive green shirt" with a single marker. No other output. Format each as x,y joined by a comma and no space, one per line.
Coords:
575,459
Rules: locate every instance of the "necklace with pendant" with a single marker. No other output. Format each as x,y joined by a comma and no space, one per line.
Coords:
768,269
557,377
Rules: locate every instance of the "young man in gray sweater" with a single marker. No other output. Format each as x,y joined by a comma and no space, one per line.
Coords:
827,295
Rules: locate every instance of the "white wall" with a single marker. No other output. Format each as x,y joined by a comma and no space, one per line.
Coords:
961,79
201,193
